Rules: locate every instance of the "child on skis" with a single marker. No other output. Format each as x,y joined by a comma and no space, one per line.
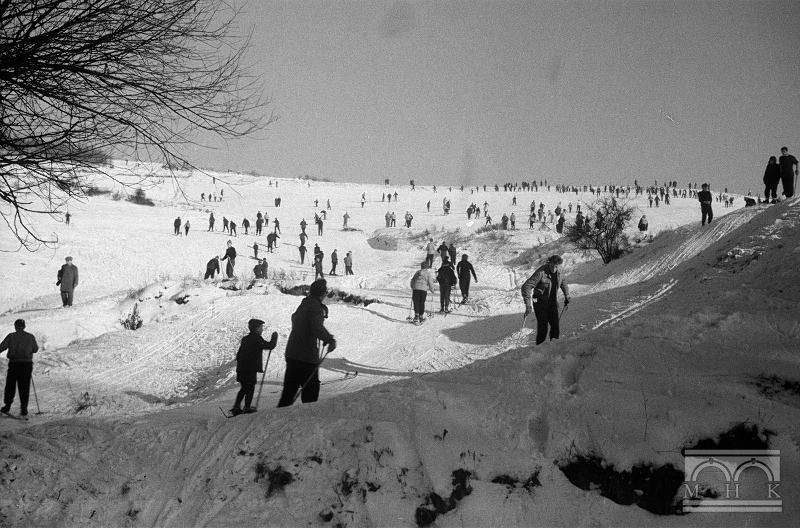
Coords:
249,362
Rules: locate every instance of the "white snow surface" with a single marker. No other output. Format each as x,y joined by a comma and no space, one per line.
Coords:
666,346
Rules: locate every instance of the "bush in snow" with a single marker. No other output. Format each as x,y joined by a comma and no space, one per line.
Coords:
140,198
133,321
604,233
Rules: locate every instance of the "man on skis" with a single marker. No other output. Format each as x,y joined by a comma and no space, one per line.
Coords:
543,285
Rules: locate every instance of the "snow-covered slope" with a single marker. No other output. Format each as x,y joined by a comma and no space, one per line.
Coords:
679,345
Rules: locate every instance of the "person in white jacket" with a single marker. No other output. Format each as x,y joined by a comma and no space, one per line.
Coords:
421,283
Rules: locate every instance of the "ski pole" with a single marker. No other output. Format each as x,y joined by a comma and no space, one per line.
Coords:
263,374
300,390
36,397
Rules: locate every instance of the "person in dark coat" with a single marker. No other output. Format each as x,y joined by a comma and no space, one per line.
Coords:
224,225
246,225
464,270
446,277
303,347
212,268
302,250
318,274
334,262
643,224
788,165
451,251
543,286
230,256
186,228
68,280
177,225
249,362
260,269
210,222
705,199
232,226
443,250
21,347
271,241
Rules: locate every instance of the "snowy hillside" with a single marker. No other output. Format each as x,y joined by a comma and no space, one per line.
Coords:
459,422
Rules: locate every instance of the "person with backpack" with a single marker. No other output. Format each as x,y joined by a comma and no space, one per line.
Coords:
302,348
541,290
21,347
249,362
67,279
446,277
464,269
421,283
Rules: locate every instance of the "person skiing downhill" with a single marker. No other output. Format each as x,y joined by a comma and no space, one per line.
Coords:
543,285
302,349
249,362
464,269
421,283
21,347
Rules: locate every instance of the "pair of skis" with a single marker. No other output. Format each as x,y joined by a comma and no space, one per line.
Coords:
15,417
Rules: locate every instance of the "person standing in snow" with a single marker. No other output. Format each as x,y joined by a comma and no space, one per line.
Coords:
21,347
302,250
348,263
788,164
464,270
318,266
272,241
446,277
543,286
334,262
246,225
705,199
232,226
249,362
345,218
772,175
302,349
451,252
68,280
177,225
224,225
212,268
421,283
210,222
186,228
230,256
430,250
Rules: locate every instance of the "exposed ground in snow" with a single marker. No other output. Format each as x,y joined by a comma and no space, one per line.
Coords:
684,338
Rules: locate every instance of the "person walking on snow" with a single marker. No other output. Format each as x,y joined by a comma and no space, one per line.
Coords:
348,263
302,250
543,287
177,225
249,362
186,228
21,347
68,280
210,222
430,250
230,256
705,199
446,277
464,269
334,262
421,283
302,350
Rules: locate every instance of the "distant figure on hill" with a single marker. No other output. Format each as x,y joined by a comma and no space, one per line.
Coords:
186,228
224,225
302,250
255,250
348,263
345,218
303,357
230,256
303,225
211,222
277,224
318,274
21,347
249,362
68,280
430,250
177,225
212,268
788,164
67,216
542,289
232,226
319,226
705,199
334,262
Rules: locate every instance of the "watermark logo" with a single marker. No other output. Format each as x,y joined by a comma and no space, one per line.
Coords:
731,480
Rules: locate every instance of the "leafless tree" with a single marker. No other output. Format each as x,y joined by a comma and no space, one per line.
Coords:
603,229
85,80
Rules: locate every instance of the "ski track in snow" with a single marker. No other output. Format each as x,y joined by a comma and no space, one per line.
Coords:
637,305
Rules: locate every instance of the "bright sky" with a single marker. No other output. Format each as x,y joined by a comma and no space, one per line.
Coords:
468,91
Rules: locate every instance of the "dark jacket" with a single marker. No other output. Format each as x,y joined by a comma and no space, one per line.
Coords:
307,327
230,253
68,277
21,347
464,269
250,358
541,283
213,265
772,174
446,275
705,198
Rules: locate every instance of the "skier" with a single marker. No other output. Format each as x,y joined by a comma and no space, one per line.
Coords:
224,225
430,249
68,280
249,362
259,224
302,352
246,225
705,199
348,263
408,217
319,226
277,225
464,269
544,285
421,283
334,262
210,222
177,225
442,249
446,277
302,250
451,252
788,165
21,347
318,266
303,225
260,269
232,227
212,268
255,250
230,256
186,228
560,224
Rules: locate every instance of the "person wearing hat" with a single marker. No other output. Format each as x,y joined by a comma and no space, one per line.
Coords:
446,277
68,280
21,347
705,198
212,268
464,269
302,348
543,286
421,283
249,362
